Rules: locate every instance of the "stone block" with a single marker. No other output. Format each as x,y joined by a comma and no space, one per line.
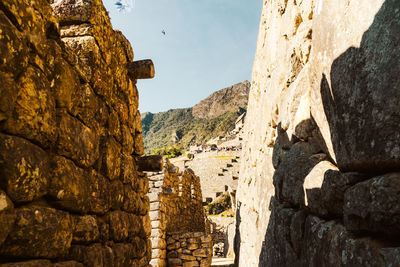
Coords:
86,229
174,246
76,141
147,227
39,233
24,168
333,188
73,11
158,263
154,197
190,264
193,246
78,190
288,179
374,205
342,79
155,215
127,141
112,159
159,253
94,255
34,114
201,253
7,216
128,171
87,107
117,197
174,262
131,200
157,233
158,243
124,225
187,257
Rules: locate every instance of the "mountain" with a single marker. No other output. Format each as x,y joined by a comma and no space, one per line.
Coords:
211,117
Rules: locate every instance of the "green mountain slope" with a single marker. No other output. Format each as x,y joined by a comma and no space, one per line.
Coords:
181,127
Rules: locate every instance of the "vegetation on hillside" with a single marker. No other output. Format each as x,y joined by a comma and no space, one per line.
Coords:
221,204
170,133
167,131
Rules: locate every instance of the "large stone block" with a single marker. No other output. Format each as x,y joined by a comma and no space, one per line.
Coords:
39,233
327,243
128,171
292,172
95,255
333,188
131,200
87,107
78,190
355,82
374,205
14,54
86,229
112,159
74,11
124,226
7,216
77,141
24,169
34,114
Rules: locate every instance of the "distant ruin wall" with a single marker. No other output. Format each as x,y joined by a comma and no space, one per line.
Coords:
178,219
70,192
319,178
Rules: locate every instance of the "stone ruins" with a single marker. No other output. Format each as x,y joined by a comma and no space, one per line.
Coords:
179,235
319,179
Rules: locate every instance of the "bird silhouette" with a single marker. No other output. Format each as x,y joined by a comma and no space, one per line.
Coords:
163,32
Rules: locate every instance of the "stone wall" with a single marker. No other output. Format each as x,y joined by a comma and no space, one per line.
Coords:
70,192
319,179
175,208
189,249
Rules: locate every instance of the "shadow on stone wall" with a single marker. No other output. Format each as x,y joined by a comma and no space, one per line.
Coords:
362,103
310,223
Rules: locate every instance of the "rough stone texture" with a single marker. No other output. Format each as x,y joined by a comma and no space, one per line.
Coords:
179,233
355,82
318,180
215,105
70,191
374,205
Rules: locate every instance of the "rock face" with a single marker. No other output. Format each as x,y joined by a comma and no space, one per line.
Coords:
319,182
223,101
70,133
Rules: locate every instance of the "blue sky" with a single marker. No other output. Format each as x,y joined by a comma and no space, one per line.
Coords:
209,45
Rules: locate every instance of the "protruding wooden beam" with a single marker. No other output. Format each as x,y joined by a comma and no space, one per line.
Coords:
150,163
141,69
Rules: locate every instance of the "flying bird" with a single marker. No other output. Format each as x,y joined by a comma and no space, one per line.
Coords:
163,32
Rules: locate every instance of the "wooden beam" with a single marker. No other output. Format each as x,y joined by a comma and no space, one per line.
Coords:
141,69
150,163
